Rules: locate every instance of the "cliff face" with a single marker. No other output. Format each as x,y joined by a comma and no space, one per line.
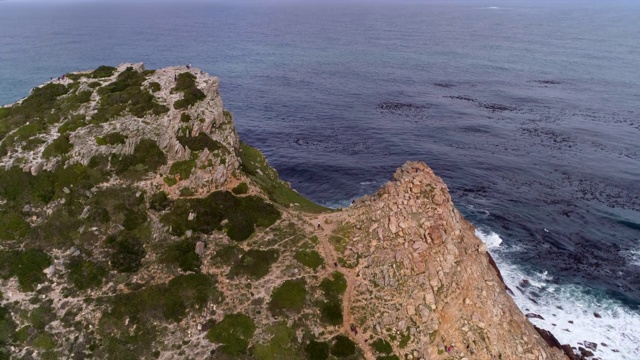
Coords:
135,224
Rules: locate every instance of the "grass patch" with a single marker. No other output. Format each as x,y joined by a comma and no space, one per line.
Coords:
183,168
240,189
316,350
183,254
26,265
85,274
309,258
186,83
127,94
289,297
113,138
255,165
255,263
234,333
342,347
147,157
243,215
60,146
341,236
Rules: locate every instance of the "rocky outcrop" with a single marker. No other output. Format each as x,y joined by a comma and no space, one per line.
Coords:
425,282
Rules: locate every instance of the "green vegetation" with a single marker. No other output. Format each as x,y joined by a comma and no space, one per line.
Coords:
113,138
127,252
42,106
255,165
94,84
282,345
200,142
159,201
183,168
382,346
309,258
186,83
154,86
289,297
405,338
342,347
103,72
13,226
331,308
317,350
255,263
73,124
170,180
60,146
183,254
27,266
163,301
341,236
335,287
85,274
243,214
147,157
186,192
184,117
7,332
241,189
126,94
234,333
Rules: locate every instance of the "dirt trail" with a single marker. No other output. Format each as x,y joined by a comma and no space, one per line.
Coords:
328,252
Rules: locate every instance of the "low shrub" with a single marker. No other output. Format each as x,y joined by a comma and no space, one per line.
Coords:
241,189
200,142
282,344
255,263
113,138
336,286
234,333
13,226
342,347
186,83
184,117
288,297
317,350
243,215
60,146
382,346
183,168
183,254
170,180
85,274
309,258
159,201
103,72
127,252
331,312
27,266
154,87
146,157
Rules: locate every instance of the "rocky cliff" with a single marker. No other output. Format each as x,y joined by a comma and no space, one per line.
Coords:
135,224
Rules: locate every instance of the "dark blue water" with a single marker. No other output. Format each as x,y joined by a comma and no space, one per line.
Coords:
529,110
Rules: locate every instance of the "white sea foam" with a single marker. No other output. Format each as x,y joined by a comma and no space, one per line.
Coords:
569,310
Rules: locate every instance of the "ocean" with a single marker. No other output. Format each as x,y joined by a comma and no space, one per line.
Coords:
529,110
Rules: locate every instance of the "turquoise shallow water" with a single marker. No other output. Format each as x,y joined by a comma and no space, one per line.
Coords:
528,109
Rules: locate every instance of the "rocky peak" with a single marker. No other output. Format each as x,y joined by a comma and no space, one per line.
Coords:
423,281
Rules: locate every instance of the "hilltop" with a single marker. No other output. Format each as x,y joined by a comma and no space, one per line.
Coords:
135,224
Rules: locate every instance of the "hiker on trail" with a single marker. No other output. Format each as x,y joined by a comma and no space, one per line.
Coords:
335,264
175,77
318,226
